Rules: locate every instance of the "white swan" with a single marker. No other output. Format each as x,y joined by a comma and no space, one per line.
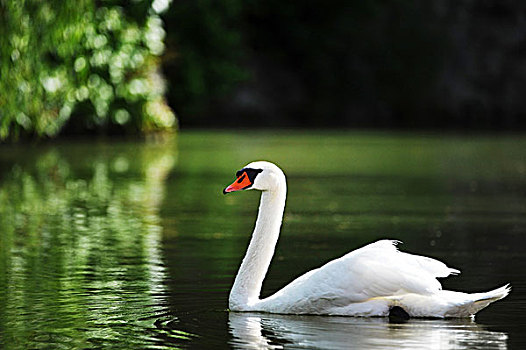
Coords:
369,281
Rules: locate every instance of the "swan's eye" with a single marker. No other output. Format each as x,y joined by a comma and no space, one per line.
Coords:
252,173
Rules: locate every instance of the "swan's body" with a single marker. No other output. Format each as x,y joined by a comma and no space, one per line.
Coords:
365,282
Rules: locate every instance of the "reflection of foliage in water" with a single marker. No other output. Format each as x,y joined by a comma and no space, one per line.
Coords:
80,261
94,59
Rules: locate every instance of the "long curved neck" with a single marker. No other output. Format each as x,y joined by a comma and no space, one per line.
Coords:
249,279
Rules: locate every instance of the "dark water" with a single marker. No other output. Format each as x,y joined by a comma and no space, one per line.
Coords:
132,245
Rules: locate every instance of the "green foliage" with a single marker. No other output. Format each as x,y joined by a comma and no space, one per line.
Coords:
91,64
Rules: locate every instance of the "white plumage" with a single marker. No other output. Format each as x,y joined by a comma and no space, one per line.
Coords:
365,282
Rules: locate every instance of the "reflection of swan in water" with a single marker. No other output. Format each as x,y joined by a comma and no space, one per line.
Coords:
270,331
370,281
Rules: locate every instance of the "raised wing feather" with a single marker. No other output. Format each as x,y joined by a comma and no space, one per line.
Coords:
376,270
380,269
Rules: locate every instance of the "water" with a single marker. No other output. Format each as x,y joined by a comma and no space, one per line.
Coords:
132,245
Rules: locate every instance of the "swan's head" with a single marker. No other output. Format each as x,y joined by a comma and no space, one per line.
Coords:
261,175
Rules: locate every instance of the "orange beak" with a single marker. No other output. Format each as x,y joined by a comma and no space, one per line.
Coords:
241,183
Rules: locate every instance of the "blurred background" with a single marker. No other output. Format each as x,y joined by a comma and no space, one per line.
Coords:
392,119
133,67
379,63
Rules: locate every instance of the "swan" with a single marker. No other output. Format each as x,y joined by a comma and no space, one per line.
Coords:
369,281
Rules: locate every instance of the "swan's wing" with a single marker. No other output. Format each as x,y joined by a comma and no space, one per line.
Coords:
380,269
376,270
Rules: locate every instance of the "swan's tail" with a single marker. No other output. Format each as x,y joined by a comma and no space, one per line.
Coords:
478,301
484,299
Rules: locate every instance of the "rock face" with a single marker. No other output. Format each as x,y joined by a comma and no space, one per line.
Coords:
442,63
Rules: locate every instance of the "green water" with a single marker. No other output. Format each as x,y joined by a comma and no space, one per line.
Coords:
132,245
